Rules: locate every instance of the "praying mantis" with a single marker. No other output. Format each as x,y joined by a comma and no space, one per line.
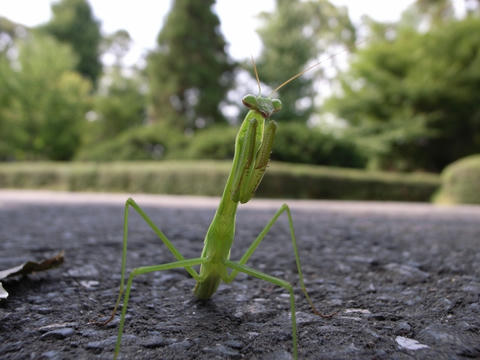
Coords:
253,146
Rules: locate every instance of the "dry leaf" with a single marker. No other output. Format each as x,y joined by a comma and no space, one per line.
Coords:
28,268
3,293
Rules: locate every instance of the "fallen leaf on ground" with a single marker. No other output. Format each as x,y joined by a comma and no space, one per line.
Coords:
28,268
3,293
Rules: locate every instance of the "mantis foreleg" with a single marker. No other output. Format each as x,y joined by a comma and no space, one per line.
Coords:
144,270
160,234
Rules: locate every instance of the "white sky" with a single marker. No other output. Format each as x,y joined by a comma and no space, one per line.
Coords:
143,18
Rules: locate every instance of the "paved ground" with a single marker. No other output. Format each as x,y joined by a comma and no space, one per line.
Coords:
405,279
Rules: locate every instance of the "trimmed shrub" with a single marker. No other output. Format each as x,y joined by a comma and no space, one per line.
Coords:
297,143
461,182
156,142
209,177
318,182
214,143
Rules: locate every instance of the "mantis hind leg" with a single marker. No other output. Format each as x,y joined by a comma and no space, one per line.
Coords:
144,270
237,267
260,237
131,203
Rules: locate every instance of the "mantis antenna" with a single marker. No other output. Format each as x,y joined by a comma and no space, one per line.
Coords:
256,76
304,71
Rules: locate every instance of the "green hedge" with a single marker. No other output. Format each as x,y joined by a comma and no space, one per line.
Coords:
215,143
294,143
461,182
298,143
317,182
208,178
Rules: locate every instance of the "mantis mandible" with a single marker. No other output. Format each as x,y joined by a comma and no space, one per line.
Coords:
253,146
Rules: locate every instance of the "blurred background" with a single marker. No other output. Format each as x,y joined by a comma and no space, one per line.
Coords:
134,96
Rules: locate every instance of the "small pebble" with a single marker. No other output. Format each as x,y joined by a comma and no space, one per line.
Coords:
50,355
223,351
89,284
182,345
154,341
10,347
43,310
408,274
278,355
307,318
58,334
84,271
109,342
236,344
409,344
402,328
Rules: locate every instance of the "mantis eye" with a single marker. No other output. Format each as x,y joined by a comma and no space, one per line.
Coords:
250,101
277,105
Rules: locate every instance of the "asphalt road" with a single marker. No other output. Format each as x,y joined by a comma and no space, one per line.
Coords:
404,280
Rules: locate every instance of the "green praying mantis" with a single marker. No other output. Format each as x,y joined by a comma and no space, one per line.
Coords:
253,146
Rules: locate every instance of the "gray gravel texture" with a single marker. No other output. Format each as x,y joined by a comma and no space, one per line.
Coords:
404,278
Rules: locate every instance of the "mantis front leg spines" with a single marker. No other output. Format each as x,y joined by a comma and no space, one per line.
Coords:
253,146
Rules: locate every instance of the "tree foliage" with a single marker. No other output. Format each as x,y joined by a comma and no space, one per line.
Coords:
117,45
42,102
120,104
435,12
9,32
189,71
151,142
414,98
296,33
73,23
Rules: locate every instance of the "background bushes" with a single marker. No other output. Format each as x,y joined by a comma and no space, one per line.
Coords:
298,143
294,142
461,182
215,143
154,142
209,177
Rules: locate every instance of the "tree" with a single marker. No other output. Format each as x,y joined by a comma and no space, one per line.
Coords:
189,72
473,7
296,33
9,32
416,97
436,11
73,23
117,45
120,105
43,101
424,14
120,102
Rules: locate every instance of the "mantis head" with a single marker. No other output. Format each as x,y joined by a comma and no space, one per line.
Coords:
264,105
252,154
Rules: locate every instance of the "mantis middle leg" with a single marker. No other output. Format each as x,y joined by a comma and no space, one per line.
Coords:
254,245
144,270
131,203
